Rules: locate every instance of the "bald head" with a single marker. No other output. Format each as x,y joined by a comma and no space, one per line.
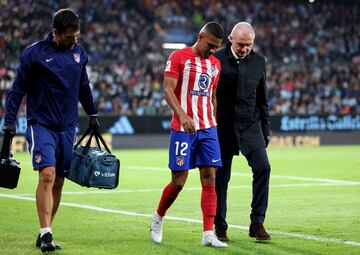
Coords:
243,28
242,38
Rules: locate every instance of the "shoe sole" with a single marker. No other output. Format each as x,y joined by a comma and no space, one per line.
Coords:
46,249
258,238
223,239
37,244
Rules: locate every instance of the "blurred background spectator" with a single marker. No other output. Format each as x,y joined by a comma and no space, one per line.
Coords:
312,49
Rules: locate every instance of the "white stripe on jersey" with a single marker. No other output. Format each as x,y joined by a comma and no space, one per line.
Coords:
184,88
195,99
205,109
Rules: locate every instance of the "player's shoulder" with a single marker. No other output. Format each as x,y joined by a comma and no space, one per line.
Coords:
178,54
32,51
79,49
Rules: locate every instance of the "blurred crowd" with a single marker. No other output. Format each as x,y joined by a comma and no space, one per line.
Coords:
312,49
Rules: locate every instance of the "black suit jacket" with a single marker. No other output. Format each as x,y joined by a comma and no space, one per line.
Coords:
242,104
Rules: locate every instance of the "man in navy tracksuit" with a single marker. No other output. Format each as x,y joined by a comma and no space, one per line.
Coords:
52,75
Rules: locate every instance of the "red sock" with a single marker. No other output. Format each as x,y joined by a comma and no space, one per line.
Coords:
208,206
168,197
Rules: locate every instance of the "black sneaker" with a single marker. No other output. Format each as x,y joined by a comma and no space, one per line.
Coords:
38,243
46,243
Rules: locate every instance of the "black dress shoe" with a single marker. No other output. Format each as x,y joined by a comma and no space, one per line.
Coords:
221,235
257,230
38,243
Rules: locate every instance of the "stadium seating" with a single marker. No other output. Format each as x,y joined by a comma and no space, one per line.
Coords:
312,50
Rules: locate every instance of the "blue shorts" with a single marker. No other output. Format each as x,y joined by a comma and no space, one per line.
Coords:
51,149
189,151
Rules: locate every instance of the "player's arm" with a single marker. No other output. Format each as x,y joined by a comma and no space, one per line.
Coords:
16,94
169,93
85,96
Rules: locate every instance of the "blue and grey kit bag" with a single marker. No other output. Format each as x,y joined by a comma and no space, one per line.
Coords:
92,166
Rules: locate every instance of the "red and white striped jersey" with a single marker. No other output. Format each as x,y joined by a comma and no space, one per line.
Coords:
197,77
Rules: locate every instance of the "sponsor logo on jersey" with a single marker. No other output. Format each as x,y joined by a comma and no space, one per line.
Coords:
199,93
204,81
203,85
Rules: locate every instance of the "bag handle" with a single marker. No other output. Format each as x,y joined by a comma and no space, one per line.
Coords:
98,139
98,136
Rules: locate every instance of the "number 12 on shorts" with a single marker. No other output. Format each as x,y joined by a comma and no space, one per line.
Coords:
182,147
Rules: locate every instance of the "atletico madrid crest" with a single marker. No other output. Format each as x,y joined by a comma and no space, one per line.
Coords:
77,57
180,160
37,158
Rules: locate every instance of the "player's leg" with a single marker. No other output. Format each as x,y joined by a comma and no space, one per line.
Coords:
259,163
57,189
42,144
65,144
179,163
208,207
168,197
171,191
207,157
44,205
208,197
222,180
56,201
44,197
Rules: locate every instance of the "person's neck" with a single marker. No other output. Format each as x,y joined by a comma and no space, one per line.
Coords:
195,49
236,56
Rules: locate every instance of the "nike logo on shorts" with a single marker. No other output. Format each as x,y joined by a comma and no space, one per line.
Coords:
215,160
49,59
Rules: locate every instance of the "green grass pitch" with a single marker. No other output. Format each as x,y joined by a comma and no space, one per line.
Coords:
314,208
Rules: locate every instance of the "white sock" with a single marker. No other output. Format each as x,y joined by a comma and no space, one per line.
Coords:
43,231
208,233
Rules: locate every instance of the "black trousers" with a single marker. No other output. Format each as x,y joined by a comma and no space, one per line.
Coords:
259,163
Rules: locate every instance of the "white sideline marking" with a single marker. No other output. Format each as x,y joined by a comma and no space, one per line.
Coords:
161,169
100,209
97,192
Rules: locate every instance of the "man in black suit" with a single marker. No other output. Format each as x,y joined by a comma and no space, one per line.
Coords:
243,124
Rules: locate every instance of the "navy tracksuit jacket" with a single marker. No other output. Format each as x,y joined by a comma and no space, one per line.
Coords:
54,80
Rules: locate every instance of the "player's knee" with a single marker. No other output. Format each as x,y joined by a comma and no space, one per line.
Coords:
47,175
179,185
209,180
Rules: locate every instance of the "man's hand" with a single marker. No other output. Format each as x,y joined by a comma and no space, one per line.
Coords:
10,131
94,123
267,140
187,123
